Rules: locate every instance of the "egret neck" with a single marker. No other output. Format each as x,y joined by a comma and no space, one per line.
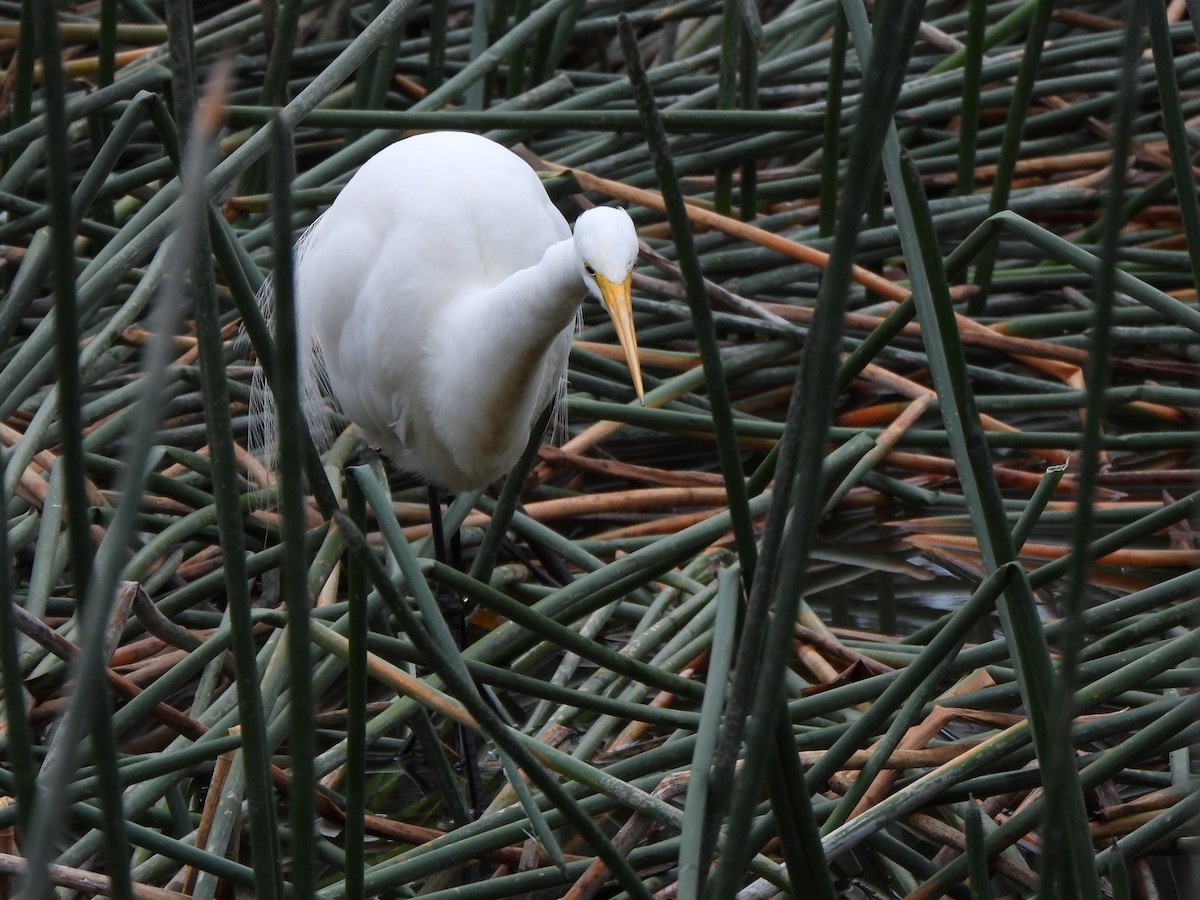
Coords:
517,336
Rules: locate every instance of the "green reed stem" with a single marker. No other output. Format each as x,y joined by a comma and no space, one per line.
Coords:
294,587
46,818
778,583
1010,147
1065,840
968,129
718,390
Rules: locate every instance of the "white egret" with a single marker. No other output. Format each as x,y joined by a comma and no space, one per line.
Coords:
437,298
440,292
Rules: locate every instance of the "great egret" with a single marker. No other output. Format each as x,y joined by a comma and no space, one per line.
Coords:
440,292
437,297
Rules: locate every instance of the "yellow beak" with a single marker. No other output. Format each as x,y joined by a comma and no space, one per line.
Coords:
618,301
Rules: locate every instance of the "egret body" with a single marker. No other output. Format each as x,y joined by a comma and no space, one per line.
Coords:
441,290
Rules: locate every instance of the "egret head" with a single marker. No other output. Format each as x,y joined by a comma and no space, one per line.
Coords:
606,245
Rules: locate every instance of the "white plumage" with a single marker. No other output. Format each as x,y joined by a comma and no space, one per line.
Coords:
440,290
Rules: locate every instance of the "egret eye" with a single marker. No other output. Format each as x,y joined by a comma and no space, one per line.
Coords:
587,268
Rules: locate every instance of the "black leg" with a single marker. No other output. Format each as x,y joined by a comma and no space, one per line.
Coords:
451,606
456,559
450,603
435,521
